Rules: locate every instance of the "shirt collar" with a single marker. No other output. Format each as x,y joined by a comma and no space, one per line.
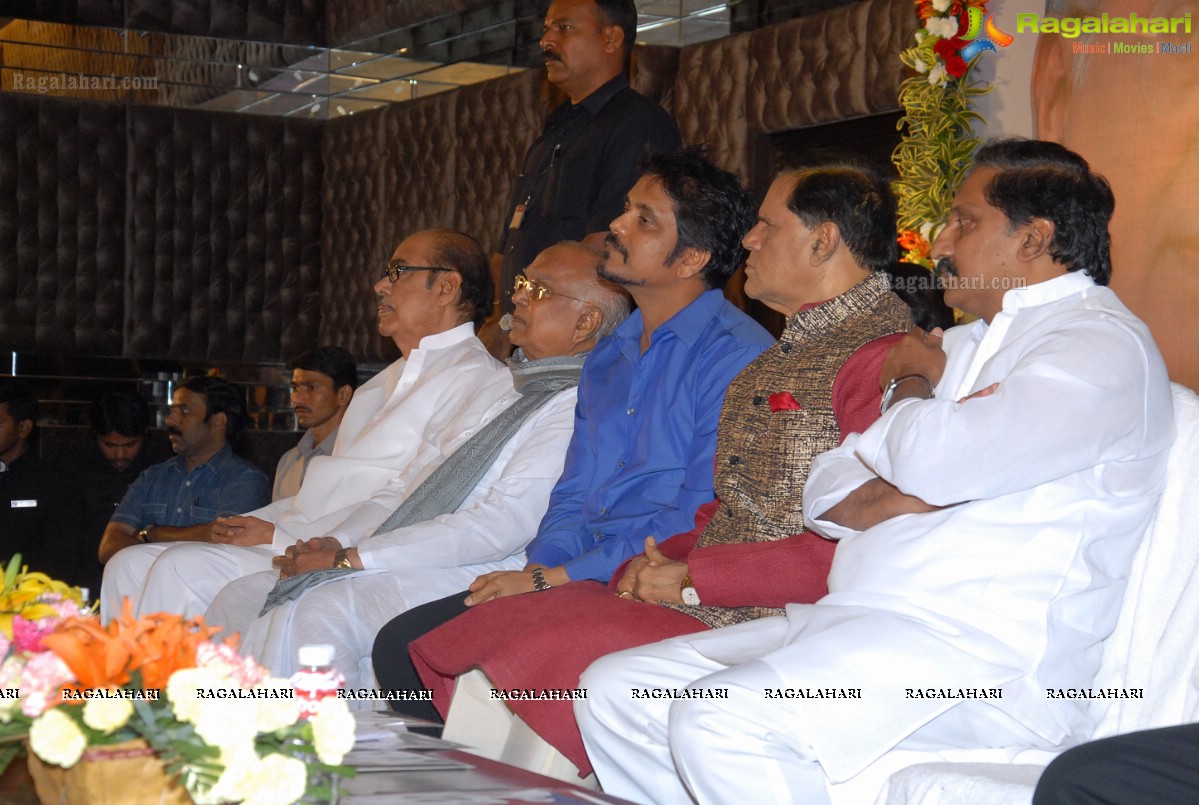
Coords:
687,325
448,338
326,445
222,457
1069,284
597,100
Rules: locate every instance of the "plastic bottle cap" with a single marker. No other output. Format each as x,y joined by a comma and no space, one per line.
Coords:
316,656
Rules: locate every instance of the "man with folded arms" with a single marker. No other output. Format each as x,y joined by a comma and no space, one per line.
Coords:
473,515
818,255
987,525
398,427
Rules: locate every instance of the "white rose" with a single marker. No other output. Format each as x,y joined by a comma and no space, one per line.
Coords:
332,730
920,66
274,714
182,690
937,76
273,780
944,27
57,739
107,715
941,5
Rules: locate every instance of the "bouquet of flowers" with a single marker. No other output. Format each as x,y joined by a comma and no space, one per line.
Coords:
938,104
221,726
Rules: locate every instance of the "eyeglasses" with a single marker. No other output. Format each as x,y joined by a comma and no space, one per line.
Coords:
536,290
395,268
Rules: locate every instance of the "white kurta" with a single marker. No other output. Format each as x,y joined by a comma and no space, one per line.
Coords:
413,565
398,428
1048,486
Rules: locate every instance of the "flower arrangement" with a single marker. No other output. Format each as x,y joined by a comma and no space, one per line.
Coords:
219,724
938,104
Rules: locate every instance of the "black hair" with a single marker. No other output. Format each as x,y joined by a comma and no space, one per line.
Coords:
122,411
457,251
21,399
712,211
622,13
1039,179
335,362
220,397
857,199
924,295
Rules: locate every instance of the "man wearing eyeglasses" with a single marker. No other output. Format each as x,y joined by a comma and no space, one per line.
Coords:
475,514
400,424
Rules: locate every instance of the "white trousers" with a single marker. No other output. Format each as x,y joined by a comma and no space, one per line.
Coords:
176,577
740,747
346,613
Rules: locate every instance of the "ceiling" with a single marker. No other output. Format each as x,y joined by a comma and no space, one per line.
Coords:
474,42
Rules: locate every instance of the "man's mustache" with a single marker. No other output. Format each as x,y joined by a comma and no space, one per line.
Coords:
174,431
615,245
550,55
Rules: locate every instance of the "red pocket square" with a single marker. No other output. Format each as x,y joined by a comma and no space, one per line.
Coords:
783,401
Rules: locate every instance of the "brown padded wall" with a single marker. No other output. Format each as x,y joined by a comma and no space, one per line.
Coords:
62,250
223,223
709,100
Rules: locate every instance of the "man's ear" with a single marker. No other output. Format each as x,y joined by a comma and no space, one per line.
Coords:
218,423
343,395
447,287
828,240
691,262
1035,239
613,39
1052,86
588,325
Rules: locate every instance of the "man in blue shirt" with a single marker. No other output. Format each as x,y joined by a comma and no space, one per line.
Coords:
177,500
640,461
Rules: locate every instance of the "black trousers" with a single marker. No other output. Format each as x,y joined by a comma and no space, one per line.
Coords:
1155,767
393,666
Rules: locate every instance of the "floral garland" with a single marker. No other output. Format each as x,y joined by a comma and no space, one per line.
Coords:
225,729
938,104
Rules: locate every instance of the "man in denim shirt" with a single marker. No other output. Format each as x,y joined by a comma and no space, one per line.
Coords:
177,500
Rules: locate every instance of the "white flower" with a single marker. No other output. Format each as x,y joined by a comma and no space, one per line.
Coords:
237,765
57,739
332,730
273,780
926,232
10,679
920,66
941,5
944,27
182,690
274,714
937,76
228,723
107,715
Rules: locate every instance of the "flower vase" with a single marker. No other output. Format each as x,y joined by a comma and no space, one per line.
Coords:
126,773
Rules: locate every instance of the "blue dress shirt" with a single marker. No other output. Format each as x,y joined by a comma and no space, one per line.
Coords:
640,461
167,494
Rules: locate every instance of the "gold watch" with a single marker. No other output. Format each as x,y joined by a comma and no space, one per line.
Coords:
341,561
688,591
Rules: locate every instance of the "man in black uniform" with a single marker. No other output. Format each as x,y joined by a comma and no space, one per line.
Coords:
576,174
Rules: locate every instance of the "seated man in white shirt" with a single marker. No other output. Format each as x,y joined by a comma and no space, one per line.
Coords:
562,309
986,533
322,383
400,424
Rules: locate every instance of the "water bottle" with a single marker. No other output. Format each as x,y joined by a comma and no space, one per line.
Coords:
317,678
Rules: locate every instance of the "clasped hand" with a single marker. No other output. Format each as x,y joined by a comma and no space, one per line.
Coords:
318,553
653,577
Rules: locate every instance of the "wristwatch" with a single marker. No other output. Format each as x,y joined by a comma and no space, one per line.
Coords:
539,582
690,596
341,561
143,536
896,382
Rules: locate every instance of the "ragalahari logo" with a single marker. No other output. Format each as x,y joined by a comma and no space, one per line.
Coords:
983,37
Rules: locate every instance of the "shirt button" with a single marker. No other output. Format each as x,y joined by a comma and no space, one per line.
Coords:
622,463
785,347
603,510
759,400
734,459
631,411
178,509
597,536
187,483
